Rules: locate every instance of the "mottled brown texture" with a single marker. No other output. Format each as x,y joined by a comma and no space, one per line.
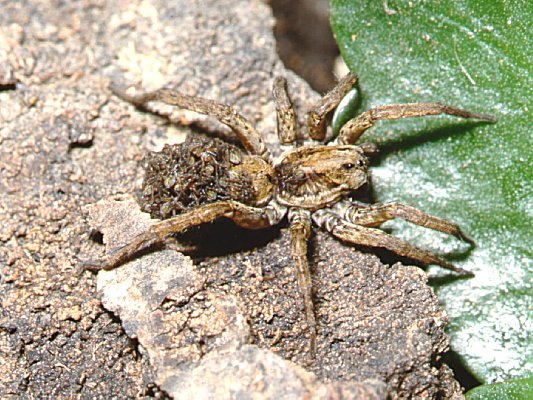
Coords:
287,126
196,331
66,142
198,171
197,182
203,317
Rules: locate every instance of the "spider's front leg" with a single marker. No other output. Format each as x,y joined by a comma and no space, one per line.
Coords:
316,117
375,214
241,214
354,128
247,134
300,226
361,235
286,117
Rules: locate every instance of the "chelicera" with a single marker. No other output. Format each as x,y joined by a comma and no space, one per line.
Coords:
201,180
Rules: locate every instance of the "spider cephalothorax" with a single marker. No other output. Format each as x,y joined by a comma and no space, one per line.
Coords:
314,177
204,179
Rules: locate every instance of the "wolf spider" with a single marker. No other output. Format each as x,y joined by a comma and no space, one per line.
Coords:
311,183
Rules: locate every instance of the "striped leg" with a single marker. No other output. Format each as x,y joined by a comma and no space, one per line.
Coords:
286,117
354,128
361,235
242,215
316,117
300,226
375,214
249,137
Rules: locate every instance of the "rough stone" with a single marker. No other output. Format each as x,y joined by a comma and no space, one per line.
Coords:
66,143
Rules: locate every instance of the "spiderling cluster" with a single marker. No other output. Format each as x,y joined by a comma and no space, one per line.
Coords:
199,171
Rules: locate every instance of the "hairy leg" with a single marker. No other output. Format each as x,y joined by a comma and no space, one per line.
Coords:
375,214
242,215
249,137
300,226
361,235
316,117
286,117
354,128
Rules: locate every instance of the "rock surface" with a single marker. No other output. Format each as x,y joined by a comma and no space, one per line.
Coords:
229,323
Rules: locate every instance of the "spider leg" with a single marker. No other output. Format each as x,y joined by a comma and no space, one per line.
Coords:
365,236
241,214
247,134
355,127
316,117
286,117
300,226
375,214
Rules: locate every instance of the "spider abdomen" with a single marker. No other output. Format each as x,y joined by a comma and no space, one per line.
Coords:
199,171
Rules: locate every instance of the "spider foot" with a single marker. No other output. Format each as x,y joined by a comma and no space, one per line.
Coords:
370,149
92,265
312,344
460,235
105,264
123,253
454,268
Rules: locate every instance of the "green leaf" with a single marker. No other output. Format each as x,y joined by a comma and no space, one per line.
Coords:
475,55
519,389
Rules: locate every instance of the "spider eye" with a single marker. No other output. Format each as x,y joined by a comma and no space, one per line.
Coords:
360,163
299,174
348,166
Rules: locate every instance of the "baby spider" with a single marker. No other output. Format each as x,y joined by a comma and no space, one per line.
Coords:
204,179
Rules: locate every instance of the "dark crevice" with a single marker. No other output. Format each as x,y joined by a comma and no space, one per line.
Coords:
97,236
80,145
223,237
304,39
4,87
466,379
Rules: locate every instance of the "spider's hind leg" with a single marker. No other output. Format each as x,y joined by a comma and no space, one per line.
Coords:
241,214
247,134
361,235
